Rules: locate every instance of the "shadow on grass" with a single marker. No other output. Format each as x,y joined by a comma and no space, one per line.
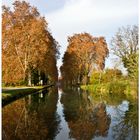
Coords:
10,95
16,91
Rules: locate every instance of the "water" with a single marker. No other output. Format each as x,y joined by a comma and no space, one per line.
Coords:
70,114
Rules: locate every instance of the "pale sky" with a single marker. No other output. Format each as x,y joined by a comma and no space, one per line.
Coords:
97,17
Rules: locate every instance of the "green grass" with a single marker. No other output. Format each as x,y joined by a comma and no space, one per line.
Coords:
8,91
9,87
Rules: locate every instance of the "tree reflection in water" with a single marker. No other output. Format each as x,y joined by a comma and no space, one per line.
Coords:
33,117
85,118
127,128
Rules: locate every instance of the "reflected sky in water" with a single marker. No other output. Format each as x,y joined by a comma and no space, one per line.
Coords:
70,114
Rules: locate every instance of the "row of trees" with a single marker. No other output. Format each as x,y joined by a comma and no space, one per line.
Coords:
83,55
29,51
86,55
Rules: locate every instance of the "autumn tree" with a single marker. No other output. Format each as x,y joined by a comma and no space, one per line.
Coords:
26,44
83,54
125,46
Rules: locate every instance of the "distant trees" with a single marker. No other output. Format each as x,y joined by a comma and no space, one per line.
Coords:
27,45
125,46
108,75
84,53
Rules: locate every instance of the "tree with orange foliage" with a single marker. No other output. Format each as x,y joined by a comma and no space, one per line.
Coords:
26,44
83,54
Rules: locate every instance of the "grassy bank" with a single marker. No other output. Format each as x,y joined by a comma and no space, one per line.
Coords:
115,87
9,93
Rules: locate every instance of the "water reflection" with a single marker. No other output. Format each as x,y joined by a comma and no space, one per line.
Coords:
127,126
71,114
85,117
100,117
33,117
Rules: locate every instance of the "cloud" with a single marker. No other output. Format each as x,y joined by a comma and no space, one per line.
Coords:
77,14
98,17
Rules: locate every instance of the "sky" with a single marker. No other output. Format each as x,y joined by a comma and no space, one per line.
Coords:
97,17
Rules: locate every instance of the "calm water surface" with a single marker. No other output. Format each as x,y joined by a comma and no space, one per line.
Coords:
70,114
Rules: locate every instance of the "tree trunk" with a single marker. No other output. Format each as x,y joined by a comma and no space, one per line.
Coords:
29,79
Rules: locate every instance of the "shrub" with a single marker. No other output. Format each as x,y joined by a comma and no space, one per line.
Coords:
117,87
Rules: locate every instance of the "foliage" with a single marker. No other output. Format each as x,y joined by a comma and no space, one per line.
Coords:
117,87
84,53
94,78
112,74
105,76
125,46
26,44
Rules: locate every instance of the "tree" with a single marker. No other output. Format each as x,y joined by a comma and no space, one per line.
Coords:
125,46
27,45
84,53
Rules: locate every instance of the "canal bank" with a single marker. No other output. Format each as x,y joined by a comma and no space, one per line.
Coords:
10,94
126,87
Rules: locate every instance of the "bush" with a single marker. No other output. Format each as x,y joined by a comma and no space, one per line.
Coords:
95,78
117,87
104,77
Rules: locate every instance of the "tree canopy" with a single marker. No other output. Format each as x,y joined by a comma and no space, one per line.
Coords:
125,46
83,54
27,44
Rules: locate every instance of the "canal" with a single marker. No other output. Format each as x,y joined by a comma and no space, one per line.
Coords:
64,114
